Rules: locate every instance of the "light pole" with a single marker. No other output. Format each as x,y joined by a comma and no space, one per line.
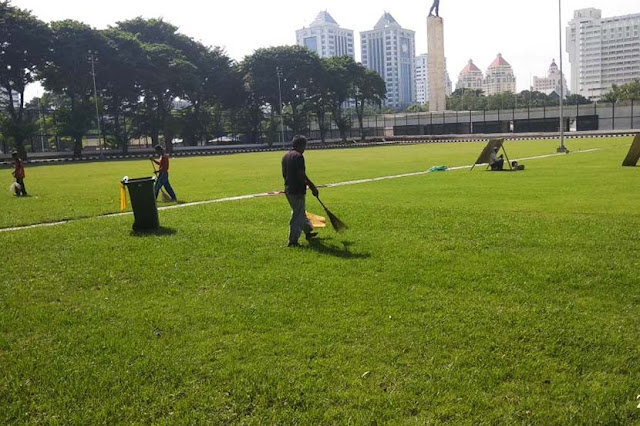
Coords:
40,107
561,148
279,73
93,58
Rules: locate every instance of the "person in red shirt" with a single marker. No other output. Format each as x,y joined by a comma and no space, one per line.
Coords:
18,173
163,173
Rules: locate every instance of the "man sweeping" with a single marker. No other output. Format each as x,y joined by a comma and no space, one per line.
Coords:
295,188
18,173
163,173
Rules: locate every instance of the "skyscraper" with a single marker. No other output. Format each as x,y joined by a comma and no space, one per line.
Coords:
550,83
602,51
422,79
325,37
499,78
390,50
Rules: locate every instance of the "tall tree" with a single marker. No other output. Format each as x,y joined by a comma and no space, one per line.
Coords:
370,90
24,50
69,73
167,73
300,70
343,74
120,63
319,100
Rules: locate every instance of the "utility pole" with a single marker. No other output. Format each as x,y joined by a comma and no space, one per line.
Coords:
279,74
561,148
93,58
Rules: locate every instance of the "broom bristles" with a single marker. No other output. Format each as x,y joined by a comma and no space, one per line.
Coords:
337,224
165,196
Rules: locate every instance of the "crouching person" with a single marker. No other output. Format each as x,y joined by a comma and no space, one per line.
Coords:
18,173
496,162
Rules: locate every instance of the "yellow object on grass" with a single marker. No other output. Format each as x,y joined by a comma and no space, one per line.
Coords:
316,221
123,197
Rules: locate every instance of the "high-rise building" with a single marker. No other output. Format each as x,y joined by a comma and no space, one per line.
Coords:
602,51
325,37
470,77
499,77
390,50
422,79
550,83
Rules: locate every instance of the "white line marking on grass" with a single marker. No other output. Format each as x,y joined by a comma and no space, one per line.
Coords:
270,194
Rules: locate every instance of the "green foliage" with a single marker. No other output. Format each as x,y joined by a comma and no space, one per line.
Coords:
24,49
475,100
626,92
370,90
300,70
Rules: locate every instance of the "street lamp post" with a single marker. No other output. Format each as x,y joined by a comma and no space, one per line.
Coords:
279,73
561,148
93,58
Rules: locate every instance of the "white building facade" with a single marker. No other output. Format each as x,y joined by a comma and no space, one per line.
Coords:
470,77
602,51
389,50
499,77
325,37
550,83
422,79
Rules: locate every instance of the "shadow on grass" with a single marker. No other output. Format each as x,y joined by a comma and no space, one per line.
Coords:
161,231
324,246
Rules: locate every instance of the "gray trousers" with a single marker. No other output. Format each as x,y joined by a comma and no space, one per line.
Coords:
299,221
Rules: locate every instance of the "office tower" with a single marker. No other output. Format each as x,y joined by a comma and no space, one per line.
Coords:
325,37
602,51
390,50
422,79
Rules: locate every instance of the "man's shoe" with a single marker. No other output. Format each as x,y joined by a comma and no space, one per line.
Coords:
311,235
293,245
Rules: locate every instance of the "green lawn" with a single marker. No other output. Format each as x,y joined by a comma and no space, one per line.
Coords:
461,297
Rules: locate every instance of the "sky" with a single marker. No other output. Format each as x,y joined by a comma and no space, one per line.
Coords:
524,32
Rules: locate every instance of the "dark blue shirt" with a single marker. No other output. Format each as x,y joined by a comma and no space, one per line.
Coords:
294,173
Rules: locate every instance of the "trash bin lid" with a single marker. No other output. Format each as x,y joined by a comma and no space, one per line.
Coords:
138,180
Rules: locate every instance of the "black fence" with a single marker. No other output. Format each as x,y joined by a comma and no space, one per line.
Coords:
228,128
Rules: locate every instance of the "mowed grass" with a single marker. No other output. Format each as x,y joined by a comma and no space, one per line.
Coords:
61,192
459,297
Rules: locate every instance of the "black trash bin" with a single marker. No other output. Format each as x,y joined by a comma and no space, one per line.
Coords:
143,202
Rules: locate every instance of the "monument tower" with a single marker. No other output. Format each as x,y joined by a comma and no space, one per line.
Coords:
435,36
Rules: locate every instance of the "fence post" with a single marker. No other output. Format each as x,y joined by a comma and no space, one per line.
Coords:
484,120
632,113
613,116
431,123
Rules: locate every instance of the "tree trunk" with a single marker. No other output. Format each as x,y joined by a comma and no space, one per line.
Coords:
77,146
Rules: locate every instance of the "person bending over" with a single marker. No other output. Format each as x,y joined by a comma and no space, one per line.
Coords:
18,173
163,173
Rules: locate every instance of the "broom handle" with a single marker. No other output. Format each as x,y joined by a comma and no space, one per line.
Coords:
321,203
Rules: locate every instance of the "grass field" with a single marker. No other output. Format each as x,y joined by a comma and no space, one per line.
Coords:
458,297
